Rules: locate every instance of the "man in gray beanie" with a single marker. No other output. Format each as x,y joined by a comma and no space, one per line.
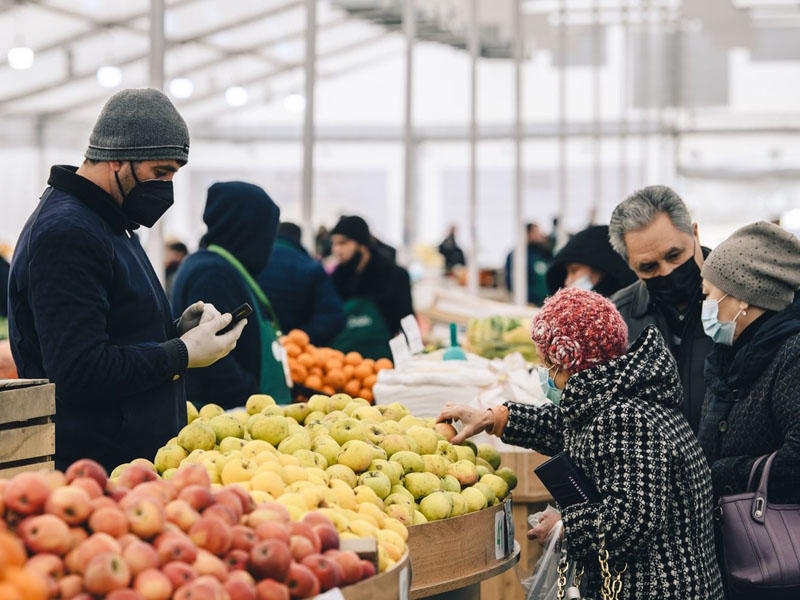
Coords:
86,309
752,312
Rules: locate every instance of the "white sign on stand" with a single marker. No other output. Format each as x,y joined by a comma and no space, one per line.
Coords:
413,334
400,352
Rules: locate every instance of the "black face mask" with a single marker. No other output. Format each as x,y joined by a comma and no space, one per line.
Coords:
678,287
147,201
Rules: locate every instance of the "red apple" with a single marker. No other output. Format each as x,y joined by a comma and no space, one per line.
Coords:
106,572
70,586
367,569
273,530
97,543
162,489
26,493
103,501
179,573
248,504
89,485
230,498
199,497
277,507
243,537
304,529
126,539
181,513
208,564
314,518
71,504
115,491
350,563
45,533
152,584
270,558
202,588
191,474
326,570
140,556
236,560
133,475
223,511
76,536
176,546
146,517
446,430
124,594
239,588
46,564
86,467
328,536
212,534
269,589
301,581
110,520
300,547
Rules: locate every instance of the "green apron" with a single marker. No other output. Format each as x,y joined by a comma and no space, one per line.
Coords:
273,373
365,332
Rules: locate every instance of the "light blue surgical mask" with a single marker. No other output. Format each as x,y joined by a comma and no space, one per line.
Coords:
549,388
720,331
583,282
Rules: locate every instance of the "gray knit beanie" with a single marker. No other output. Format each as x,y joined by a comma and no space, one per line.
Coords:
759,264
139,124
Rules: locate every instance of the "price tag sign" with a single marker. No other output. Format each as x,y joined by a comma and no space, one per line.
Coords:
331,594
403,584
509,518
400,351
499,535
414,335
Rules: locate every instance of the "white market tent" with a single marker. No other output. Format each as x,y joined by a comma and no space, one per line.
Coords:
518,110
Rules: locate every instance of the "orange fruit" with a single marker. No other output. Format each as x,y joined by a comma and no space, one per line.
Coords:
306,360
348,371
352,387
369,381
367,395
353,358
383,363
12,550
333,364
298,373
337,354
292,349
335,378
8,591
362,370
315,371
30,584
299,337
314,382
328,390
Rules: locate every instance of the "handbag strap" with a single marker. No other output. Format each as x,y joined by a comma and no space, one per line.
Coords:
759,507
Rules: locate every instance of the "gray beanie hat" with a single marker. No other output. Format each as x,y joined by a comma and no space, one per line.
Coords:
139,124
759,264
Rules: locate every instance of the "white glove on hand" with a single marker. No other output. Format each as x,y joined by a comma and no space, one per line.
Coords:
203,344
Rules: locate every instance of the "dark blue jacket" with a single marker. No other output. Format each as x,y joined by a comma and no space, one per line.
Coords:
88,313
301,293
243,219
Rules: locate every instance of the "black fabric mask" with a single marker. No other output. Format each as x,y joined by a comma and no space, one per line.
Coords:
147,201
678,287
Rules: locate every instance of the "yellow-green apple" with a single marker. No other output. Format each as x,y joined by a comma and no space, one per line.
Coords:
106,572
410,461
355,454
327,571
152,584
318,402
475,498
146,517
69,503
490,454
343,472
301,581
109,519
435,506
464,471
497,483
45,533
390,426
179,573
197,435
139,556
309,458
378,481
425,438
258,402
269,589
421,484
26,493
354,404
270,559
395,411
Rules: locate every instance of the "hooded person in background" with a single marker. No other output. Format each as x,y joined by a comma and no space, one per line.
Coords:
242,221
539,254
87,311
588,262
376,292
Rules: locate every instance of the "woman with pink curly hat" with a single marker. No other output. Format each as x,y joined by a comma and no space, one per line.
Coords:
618,419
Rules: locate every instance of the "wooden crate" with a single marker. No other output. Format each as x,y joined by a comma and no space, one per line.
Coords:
390,585
27,431
457,553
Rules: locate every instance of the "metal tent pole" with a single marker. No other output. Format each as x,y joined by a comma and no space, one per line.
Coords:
409,197
472,255
520,278
307,197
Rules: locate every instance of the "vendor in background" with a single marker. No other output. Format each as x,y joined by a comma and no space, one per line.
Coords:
87,311
453,255
376,291
301,292
618,420
174,254
588,262
539,254
242,221
653,231
4,269
752,404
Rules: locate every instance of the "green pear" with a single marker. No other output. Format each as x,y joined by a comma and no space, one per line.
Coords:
209,411
327,447
379,482
351,407
497,483
450,483
487,491
399,488
436,506
347,429
421,484
169,457
343,472
436,464
226,426
489,454
300,440
356,454
258,402
191,412
309,458
465,471
318,402
475,498
229,444
410,461
459,504
426,439
367,414
273,429
297,410
447,450
396,442
465,453
507,473
419,518
197,435
392,469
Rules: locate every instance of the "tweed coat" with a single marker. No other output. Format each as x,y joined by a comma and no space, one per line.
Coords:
621,423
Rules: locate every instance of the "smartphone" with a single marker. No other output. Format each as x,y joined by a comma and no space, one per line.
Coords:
240,312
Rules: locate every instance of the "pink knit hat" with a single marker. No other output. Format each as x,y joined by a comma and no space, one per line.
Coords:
577,329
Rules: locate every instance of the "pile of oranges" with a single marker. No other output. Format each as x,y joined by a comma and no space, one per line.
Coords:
331,371
17,582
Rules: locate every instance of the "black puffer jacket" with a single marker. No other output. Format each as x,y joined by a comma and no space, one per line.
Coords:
619,422
752,406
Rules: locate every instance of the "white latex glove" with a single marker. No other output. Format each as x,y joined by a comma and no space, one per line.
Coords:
203,344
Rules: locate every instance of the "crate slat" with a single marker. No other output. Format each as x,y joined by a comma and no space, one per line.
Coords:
25,403
27,442
10,472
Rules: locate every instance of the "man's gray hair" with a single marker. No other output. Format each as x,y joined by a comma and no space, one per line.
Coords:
641,208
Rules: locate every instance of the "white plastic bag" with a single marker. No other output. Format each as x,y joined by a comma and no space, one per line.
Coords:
543,583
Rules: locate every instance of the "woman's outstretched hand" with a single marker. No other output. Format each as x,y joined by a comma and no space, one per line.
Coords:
473,420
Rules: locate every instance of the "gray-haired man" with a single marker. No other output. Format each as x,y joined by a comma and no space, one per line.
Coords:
653,231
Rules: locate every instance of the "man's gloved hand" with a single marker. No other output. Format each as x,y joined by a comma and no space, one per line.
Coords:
203,344
199,312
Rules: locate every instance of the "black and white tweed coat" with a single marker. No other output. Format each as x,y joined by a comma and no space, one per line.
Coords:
621,422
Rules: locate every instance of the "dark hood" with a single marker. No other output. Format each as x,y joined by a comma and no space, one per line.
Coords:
591,247
243,219
647,372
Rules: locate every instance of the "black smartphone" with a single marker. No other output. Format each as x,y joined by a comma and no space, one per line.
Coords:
240,312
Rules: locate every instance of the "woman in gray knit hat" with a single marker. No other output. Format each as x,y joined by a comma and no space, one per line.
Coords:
752,402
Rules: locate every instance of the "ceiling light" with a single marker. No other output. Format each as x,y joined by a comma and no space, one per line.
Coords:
109,76
294,103
236,95
20,58
180,87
